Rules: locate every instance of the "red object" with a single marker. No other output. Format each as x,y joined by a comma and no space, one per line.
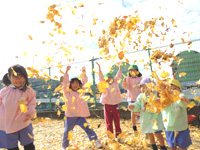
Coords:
191,117
112,113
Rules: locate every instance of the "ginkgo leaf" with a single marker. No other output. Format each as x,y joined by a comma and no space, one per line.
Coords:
58,112
25,54
30,37
30,136
165,120
57,102
112,90
76,31
85,125
164,74
64,108
182,74
124,108
197,98
121,55
70,135
39,102
88,84
23,108
110,134
73,99
191,91
191,105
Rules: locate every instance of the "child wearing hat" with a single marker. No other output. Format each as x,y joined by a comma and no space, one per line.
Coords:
133,90
110,99
150,123
176,124
77,108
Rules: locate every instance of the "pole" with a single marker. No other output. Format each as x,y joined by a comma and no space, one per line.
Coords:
93,86
50,89
149,58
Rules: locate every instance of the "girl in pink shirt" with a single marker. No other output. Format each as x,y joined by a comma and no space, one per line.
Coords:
131,84
77,108
111,98
16,125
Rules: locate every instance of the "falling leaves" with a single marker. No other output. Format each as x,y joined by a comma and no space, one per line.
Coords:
164,74
30,37
182,74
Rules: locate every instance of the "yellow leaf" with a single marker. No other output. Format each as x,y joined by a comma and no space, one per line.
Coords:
154,75
49,87
112,90
110,134
92,106
182,74
91,100
144,143
165,120
134,86
50,34
58,112
64,108
121,55
191,105
76,31
85,125
57,102
15,74
87,85
25,54
30,37
39,102
86,98
192,92
30,136
23,108
164,74
73,99
101,86
124,108
70,135
29,85
155,127
142,60
197,98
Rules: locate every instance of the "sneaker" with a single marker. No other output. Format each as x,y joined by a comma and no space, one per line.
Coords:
98,144
119,140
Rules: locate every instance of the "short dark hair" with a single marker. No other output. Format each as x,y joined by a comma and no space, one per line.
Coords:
138,75
72,81
19,70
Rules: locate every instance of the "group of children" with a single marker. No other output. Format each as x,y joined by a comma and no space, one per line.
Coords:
16,126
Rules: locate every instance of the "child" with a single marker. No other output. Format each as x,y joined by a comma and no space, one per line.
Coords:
133,90
176,124
77,108
147,118
14,125
111,98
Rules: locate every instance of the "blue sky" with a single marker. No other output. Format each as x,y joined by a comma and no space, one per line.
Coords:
18,21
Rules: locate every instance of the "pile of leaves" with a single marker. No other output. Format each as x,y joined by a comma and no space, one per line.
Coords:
48,134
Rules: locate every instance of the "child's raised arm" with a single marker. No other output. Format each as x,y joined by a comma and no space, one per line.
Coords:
119,74
101,78
84,79
65,82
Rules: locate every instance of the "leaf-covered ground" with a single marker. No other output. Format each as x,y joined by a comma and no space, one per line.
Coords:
48,136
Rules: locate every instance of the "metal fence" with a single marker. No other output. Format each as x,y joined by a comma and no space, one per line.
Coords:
140,58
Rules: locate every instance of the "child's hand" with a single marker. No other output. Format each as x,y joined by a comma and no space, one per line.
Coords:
185,100
124,80
27,117
130,106
98,64
83,69
68,68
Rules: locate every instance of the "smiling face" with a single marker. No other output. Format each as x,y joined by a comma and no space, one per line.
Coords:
144,89
18,80
174,87
75,85
133,72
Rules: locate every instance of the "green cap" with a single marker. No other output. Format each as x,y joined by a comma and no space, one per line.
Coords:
133,67
108,75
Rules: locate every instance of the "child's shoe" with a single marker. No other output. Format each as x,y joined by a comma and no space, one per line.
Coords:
163,148
119,140
98,144
154,147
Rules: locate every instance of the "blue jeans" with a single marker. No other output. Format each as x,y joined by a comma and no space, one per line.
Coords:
70,123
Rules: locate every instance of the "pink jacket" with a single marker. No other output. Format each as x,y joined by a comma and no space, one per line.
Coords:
114,97
10,118
79,107
132,87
